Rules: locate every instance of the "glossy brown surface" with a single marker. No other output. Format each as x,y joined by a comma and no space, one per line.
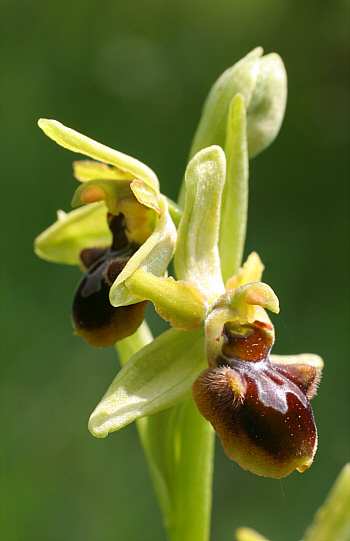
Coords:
94,318
260,410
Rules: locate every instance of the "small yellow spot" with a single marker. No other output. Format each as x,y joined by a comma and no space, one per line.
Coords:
305,466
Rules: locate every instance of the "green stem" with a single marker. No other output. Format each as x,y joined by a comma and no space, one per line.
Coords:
179,447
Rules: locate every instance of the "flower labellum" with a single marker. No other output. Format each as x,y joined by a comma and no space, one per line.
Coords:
94,318
259,407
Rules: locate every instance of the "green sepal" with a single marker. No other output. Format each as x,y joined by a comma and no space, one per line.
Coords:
234,208
268,103
157,377
197,254
82,228
153,256
85,170
76,142
181,303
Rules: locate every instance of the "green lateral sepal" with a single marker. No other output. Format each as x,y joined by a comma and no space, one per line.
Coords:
157,377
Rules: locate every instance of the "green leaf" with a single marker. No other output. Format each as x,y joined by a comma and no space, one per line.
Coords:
76,142
157,377
234,207
197,255
85,227
332,520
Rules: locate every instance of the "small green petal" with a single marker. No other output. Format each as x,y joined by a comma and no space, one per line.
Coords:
90,170
250,272
157,377
266,109
234,207
254,294
76,142
146,195
197,255
180,303
82,228
153,256
247,534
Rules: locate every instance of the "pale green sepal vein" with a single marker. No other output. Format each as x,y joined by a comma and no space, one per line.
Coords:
197,254
332,520
74,231
76,142
157,377
234,208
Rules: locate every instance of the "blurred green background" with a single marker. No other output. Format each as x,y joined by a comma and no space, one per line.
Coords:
133,75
